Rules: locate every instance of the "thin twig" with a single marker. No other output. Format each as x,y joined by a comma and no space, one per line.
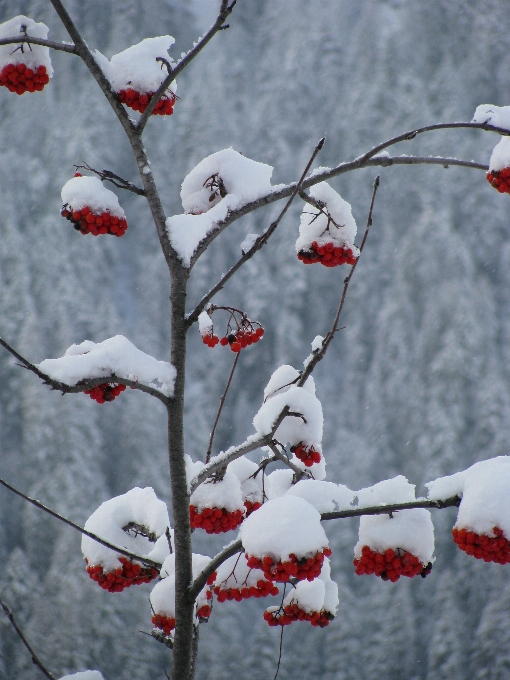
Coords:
116,180
35,659
225,11
318,355
94,537
62,47
279,655
201,579
298,472
222,401
85,384
259,243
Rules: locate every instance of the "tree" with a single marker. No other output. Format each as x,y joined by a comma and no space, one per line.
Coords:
179,276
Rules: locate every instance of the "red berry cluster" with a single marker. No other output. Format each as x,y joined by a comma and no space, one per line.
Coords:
237,341
293,612
307,455
87,222
131,574
300,569
105,392
263,589
251,507
215,520
204,612
500,180
210,339
139,102
20,79
328,254
487,548
165,623
390,565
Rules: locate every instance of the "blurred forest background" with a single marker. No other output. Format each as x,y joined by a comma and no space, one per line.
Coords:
416,384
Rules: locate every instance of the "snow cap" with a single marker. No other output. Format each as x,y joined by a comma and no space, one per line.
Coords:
498,116
324,496
33,56
500,157
81,192
225,493
84,675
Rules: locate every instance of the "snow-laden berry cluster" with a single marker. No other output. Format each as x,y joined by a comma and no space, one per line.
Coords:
217,505
25,68
136,74
240,331
327,230
236,580
138,522
92,208
499,166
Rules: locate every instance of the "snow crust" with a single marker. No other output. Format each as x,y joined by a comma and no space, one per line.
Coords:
244,180
500,157
313,223
283,526
33,56
485,490
84,675
248,242
499,116
324,496
235,573
140,506
412,530
278,394
222,494
81,192
162,597
278,483
137,68
114,356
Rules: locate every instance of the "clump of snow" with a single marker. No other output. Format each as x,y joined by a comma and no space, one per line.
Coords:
33,56
411,530
193,468
498,116
500,157
228,178
242,468
137,68
251,487
324,496
308,595
162,597
278,483
140,506
84,675
81,192
249,242
116,356
317,343
334,224
485,494
281,391
281,527
205,323
389,491
225,493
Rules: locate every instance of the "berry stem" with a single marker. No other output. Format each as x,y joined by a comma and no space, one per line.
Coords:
222,401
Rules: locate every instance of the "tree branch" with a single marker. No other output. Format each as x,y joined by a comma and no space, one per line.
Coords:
116,180
35,658
61,47
298,472
363,161
86,384
222,401
225,11
259,243
94,537
201,579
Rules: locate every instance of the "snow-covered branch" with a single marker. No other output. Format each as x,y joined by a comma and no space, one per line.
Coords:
85,383
94,537
173,72
221,557
257,245
61,47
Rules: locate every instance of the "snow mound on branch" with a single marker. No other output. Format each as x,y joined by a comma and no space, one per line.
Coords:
324,496
485,491
235,573
251,487
412,530
306,428
193,468
308,595
225,493
281,527
137,68
239,180
115,356
140,506
81,192
242,468
84,675
500,157
33,56
278,483
205,323
498,116
315,226
162,597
